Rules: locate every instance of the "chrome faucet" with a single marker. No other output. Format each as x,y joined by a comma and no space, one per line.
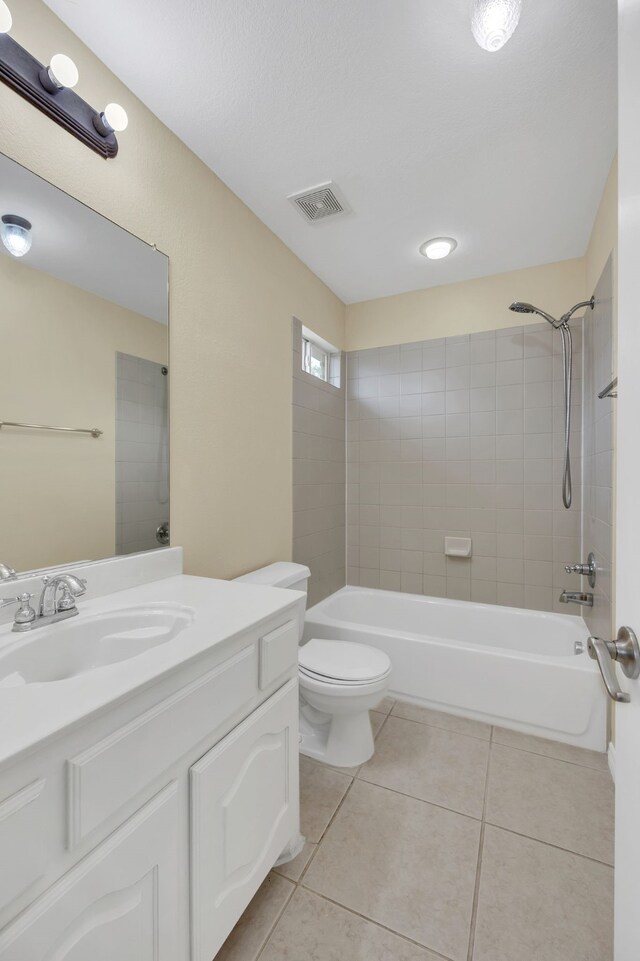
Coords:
48,609
72,587
577,597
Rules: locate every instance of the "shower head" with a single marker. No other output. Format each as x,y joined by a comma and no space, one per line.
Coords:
519,308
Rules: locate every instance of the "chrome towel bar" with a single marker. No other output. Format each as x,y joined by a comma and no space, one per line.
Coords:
70,430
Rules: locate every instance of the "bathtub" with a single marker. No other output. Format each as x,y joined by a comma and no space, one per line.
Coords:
524,670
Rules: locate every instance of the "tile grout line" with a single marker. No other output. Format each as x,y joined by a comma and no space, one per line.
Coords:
491,740
276,921
324,833
549,844
420,800
476,890
378,924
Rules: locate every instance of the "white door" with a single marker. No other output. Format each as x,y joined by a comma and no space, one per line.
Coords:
627,717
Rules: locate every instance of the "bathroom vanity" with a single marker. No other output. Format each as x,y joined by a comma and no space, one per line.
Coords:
144,799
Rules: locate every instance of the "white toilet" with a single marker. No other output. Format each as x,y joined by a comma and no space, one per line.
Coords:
339,682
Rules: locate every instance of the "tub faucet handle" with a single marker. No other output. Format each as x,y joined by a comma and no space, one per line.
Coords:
587,570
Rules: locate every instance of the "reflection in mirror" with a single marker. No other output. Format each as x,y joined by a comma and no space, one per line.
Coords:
84,327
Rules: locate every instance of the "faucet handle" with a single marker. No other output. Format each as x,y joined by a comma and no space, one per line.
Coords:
587,570
25,615
21,599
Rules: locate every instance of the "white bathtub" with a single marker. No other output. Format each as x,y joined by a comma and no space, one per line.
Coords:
525,670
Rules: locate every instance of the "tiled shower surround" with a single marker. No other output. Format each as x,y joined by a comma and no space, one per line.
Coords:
598,452
142,453
318,476
464,436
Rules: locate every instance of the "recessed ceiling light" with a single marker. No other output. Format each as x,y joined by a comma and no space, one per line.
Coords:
438,248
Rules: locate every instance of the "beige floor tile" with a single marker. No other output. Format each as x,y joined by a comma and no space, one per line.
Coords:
540,745
384,706
312,929
409,865
551,800
321,790
251,931
293,869
537,903
430,763
450,722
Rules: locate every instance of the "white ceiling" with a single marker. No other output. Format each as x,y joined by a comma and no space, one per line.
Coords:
424,132
78,245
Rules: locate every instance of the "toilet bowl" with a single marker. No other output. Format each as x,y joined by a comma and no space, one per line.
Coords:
339,682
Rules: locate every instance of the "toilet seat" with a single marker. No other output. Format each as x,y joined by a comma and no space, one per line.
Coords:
342,662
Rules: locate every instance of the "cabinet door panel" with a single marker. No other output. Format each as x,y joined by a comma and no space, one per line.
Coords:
119,902
245,808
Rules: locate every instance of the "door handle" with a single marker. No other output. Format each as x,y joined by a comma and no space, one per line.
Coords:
625,652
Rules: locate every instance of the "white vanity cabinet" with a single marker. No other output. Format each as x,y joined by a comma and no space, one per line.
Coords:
142,834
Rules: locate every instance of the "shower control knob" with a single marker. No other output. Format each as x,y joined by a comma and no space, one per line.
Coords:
586,570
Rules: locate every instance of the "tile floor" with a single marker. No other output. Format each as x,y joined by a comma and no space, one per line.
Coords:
456,841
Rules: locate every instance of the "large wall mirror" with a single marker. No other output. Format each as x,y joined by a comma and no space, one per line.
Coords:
84,347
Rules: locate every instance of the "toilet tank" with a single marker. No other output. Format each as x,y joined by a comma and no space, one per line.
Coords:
283,574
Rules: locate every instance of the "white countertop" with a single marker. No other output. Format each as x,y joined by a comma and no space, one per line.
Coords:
31,713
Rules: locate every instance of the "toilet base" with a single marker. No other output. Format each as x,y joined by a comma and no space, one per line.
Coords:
344,740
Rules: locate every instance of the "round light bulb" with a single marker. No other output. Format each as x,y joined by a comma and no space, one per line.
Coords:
5,18
438,248
63,70
16,235
493,22
116,117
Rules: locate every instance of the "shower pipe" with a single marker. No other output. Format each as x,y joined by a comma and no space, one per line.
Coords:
567,362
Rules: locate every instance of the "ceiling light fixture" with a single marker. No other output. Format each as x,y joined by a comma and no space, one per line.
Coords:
5,18
493,22
438,247
61,72
16,235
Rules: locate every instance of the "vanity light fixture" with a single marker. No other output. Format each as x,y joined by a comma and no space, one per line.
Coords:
5,18
438,247
49,88
16,235
493,22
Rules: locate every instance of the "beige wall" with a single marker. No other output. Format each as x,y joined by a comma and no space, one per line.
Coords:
234,288
465,308
58,366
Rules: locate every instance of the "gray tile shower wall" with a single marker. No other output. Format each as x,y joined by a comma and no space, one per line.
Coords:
142,453
319,476
463,436
598,451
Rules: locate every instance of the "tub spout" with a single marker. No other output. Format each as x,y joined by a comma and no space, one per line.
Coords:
577,597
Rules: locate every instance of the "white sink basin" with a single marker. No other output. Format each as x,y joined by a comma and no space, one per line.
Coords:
88,643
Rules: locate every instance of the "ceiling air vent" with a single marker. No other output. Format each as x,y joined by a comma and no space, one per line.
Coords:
320,202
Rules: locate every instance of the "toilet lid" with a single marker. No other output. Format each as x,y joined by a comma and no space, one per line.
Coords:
343,660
